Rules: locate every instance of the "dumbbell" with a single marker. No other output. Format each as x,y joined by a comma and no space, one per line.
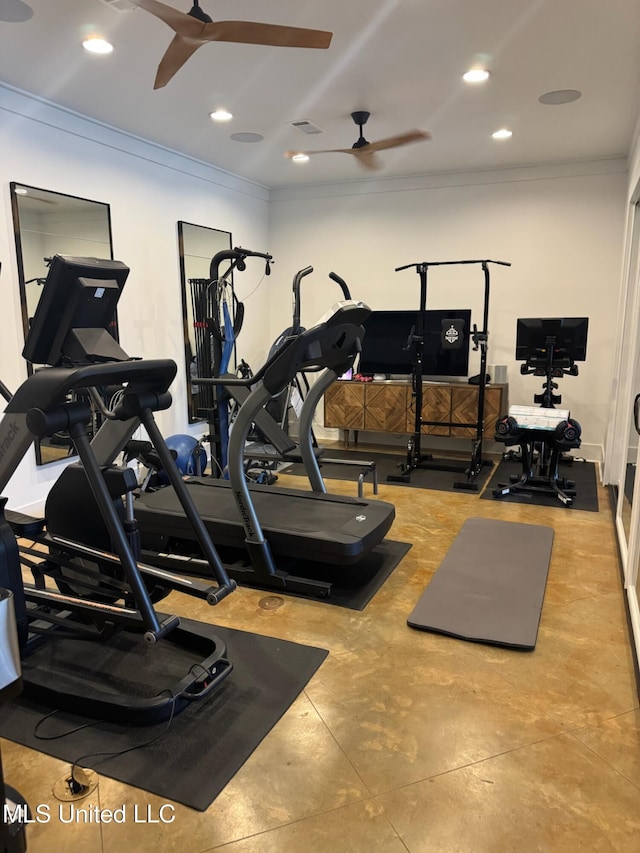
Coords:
569,431
506,425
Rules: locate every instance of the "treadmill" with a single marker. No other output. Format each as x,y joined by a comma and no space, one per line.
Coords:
281,530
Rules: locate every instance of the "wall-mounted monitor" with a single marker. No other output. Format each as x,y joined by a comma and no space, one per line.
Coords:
567,336
385,347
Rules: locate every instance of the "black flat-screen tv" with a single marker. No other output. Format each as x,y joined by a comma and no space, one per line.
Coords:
385,347
75,315
567,336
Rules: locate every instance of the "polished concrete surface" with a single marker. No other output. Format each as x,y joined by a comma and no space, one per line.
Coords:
410,741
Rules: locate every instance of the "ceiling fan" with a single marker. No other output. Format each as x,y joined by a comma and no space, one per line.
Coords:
15,11
365,151
195,28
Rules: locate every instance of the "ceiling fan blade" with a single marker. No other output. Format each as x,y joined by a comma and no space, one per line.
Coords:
364,151
15,12
291,154
397,141
175,57
179,21
366,159
248,32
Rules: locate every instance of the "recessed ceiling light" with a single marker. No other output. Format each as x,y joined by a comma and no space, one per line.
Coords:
20,191
97,45
503,133
476,75
560,96
300,158
220,115
246,137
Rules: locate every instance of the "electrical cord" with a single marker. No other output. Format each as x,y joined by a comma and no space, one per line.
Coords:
62,734
116,399
105,755
119,752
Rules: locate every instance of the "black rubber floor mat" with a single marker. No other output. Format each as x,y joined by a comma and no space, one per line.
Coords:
387,463
200,751
582,473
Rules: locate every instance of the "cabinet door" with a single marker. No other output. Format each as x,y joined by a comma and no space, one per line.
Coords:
436,406
344,405
495,405
386,408
464,409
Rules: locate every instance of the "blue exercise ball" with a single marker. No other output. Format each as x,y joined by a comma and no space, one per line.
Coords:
189,453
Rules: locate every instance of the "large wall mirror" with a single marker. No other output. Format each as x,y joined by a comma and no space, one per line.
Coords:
197,245
45,224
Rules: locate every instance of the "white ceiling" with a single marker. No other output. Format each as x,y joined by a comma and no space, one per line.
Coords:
400,59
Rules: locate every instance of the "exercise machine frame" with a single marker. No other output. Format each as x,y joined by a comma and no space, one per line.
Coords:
480,337
330,347
115,590
542,450
207,318
306,450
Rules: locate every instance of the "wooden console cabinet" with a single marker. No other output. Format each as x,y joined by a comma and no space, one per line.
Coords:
389,407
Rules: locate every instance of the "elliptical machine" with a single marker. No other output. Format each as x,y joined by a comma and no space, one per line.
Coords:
99,593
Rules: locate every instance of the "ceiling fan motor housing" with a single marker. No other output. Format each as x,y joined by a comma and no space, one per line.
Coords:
360,117
196,12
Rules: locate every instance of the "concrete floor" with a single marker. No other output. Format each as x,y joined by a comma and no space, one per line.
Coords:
410,741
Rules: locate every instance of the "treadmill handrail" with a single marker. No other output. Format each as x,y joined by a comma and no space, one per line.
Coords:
331,343
227,379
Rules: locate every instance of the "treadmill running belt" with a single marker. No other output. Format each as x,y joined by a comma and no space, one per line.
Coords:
298,524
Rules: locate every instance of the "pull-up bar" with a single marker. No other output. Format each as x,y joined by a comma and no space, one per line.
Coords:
415,459
450,263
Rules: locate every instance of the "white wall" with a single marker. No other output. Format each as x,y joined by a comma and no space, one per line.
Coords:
149,189
621,439
560,227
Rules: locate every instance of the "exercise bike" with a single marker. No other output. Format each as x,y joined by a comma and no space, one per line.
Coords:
549,348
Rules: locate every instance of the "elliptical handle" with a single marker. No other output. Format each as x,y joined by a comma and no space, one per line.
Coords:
342,283
295,327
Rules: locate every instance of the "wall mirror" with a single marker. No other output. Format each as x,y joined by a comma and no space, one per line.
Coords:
197,245
48,223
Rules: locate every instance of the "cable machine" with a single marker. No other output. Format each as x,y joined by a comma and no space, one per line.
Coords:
218,317
415,457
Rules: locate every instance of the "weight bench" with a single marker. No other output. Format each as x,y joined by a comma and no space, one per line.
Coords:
293,456
368,466
548,433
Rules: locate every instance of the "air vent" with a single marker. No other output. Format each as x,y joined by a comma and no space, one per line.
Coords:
119,5
306,127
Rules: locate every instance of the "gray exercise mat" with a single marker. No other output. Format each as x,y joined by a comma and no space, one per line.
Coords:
490,586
